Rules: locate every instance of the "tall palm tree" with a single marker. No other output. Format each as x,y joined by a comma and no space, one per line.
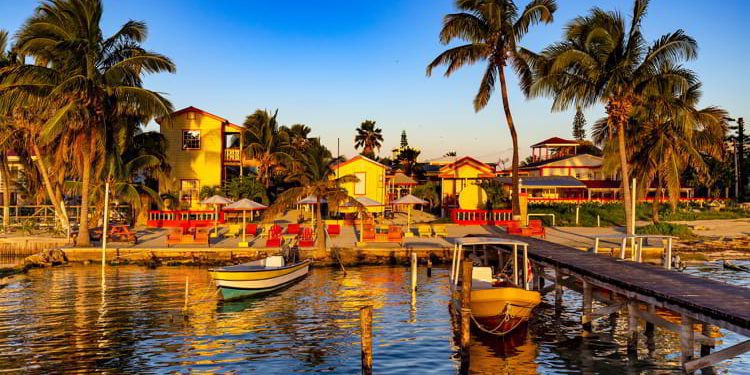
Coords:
316,177
6,59
493,30
298,135
368,138
87,79
602,60
267,144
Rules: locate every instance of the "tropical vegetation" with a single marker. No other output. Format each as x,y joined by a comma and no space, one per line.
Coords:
369,138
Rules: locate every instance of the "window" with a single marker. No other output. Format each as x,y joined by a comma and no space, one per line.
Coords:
191,139
360,185
188,189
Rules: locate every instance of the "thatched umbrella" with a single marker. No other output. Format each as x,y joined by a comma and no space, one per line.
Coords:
245,205
216,201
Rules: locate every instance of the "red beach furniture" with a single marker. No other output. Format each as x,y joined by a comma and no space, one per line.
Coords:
537,228
251,229
305,239
274,237
293,229
514,227
333,229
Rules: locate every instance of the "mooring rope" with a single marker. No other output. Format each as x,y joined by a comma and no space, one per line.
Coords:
494,331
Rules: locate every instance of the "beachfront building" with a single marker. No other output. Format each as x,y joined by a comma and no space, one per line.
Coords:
203,150
398,185
370,184
459,184
15,169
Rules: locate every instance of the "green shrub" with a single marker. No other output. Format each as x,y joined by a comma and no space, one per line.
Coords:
681,231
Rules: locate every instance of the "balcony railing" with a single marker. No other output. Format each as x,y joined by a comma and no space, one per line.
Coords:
231,154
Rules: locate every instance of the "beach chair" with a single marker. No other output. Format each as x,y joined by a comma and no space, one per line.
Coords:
537,228
440,231
514,227
305,238
201,236
368,234
233,230
333,229
395,234
174,236
293,229
274,237
251,229
424,231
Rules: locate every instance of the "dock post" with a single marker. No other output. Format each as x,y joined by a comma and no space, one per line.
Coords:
649,332
632,328
687,339
429,267
365,326
587,309
187,289
706,348
558,290
466,274
540,277
413,271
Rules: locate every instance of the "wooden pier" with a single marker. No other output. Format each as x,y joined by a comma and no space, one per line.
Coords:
641,288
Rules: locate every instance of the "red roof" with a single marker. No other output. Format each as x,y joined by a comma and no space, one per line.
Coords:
556,141
449,170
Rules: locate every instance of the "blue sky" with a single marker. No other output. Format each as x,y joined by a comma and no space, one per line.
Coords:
333,64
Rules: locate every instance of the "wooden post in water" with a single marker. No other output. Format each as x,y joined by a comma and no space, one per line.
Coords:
365,327
413,271
587,309
706,348
466,276
187,293
687,340
632,328
429,267
558,289
649,332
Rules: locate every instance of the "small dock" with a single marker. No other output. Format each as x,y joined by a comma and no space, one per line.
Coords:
642,288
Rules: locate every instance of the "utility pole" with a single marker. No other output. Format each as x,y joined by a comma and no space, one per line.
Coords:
740,159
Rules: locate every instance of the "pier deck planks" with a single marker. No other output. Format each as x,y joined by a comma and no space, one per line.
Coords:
709,297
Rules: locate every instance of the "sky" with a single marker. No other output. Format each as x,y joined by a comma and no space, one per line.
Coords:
333,64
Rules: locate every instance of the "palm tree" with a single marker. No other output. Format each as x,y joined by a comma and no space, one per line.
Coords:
670,135
6,59
316,178
87,80
267,144
602,60
298,135
493,29
368,138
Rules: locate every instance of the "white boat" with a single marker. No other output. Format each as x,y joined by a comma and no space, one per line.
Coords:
258,277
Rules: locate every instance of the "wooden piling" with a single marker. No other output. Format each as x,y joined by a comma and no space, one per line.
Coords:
467,268
413,271
429,267
558,289
465,333
706,348
587,309
649,331
632,328
187,293
365,326
687,340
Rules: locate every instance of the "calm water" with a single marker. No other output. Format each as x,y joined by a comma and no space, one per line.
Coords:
64,320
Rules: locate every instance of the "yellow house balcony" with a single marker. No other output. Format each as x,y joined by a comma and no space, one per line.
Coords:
232,154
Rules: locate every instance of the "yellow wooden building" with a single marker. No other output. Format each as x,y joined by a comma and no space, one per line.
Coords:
202,149
371,180
461,176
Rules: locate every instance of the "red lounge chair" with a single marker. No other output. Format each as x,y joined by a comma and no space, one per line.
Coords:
293,229
537,228
174,236
201,236
305,239
274,237
514,227
333,229
395,234
368,234
251,229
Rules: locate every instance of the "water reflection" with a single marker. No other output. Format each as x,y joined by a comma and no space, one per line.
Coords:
72,319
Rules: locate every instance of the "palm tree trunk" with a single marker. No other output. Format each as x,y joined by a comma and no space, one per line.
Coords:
320,235
625,171
5,177
83,227
516,203
656,203
56,204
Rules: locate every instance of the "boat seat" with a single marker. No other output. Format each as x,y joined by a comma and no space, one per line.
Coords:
275,261
481,278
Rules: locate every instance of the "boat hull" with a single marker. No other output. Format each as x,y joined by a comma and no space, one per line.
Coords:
243,284
502,310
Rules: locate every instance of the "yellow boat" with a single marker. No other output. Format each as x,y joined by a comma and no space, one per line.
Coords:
499,303
259,277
